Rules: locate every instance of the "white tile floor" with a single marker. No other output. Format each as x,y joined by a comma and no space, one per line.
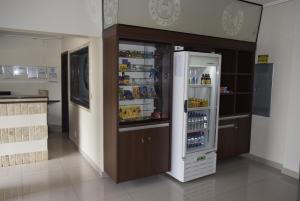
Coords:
68,177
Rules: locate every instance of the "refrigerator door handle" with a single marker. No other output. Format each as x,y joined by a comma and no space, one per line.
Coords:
183,145
185,106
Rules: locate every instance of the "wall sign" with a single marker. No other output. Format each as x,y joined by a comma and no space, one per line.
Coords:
52,74
263,59
26,73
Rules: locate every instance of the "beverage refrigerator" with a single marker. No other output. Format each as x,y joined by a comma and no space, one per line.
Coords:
196,85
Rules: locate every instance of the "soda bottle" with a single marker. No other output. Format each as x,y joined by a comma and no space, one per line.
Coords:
195,77
205,121
191,77
201,121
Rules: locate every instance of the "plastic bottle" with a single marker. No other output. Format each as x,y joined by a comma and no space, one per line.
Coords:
209,79
189,142
190,77
189,121
194,80
205,121
201,121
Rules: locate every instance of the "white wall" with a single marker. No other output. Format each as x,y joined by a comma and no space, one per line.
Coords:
276,138
76,17
27,51
86,125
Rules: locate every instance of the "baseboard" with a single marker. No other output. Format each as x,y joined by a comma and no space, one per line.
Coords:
275,3
290,173
273,164
264,161
93,165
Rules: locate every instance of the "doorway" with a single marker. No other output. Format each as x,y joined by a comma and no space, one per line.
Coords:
65,93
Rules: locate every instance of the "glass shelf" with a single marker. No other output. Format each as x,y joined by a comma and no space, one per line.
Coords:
136,68
198,130
133,99
124,85
199,66
199,108
137,71
135,54
200,85
196,149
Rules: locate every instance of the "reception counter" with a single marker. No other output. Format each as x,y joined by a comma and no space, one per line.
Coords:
23,130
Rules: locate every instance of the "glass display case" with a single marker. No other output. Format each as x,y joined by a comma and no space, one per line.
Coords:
143,82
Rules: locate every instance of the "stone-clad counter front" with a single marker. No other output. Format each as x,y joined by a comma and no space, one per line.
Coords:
23,130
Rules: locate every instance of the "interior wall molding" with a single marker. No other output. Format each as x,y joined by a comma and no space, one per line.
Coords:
275,3
273,164
91,163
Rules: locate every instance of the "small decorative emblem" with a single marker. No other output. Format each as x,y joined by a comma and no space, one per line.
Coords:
164,12
110,12
233,19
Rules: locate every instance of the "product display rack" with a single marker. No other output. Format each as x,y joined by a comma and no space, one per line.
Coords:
131,154
237,74
141,83
236,103
137,106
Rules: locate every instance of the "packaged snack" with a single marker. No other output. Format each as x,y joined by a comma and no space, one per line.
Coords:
123,67
136,92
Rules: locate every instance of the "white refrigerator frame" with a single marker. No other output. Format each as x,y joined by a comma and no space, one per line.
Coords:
179,125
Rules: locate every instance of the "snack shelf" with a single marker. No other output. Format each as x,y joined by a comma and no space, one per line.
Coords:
130,104
133,54
128,85
133,99
136,71
141,79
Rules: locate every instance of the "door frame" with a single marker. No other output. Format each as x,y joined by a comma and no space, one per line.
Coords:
65,93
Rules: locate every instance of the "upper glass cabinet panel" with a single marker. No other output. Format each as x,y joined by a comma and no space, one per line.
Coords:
231,19
144,82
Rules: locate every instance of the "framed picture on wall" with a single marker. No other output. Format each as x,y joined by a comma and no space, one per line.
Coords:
79,77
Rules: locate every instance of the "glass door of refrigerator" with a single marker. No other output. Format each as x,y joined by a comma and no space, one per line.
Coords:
202,103
144,82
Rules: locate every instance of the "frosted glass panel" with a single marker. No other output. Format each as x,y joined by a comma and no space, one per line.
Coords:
226,18
202,61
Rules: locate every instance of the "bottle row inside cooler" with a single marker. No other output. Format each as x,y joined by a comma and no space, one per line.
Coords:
197,120
196,140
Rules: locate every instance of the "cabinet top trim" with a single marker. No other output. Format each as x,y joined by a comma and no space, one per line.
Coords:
143,127
234,117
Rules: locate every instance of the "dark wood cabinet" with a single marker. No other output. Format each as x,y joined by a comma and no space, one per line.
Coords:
131,156
226,141
234,137
243,135
143,153
138,153
237,76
